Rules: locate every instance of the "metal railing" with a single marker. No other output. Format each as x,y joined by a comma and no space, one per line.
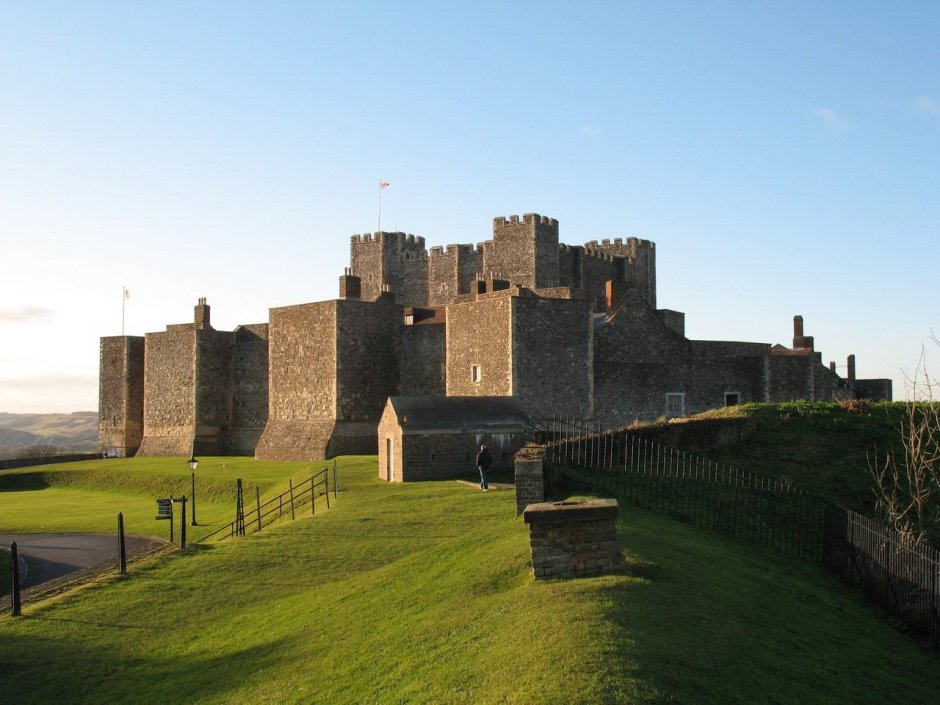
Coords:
276,507
870,556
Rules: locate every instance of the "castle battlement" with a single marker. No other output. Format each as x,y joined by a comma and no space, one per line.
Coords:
464,249
408,241
528,218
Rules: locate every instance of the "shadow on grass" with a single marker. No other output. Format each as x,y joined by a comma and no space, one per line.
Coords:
23,482
715,622
40,669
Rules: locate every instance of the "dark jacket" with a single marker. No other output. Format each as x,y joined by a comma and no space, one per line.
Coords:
484,460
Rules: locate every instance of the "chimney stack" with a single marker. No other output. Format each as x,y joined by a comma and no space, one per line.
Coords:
201,317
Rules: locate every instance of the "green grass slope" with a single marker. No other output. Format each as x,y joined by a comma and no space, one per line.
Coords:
423,593
817,446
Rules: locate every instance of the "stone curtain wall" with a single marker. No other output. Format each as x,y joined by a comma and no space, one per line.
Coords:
552,365
249,389
480,333
422,367
213,390
301,383
169,392
367,350
790,377
120,394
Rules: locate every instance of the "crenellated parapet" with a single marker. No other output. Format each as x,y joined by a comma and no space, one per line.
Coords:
527,219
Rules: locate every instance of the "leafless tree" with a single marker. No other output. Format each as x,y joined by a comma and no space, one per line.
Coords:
907,484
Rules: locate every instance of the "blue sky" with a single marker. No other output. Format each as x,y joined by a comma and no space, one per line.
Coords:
784,156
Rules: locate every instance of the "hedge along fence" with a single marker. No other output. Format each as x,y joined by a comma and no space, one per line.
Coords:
870,556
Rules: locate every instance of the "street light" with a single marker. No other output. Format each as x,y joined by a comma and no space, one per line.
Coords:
192,466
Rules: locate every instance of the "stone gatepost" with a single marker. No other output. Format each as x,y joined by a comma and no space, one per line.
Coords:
574,539
530,477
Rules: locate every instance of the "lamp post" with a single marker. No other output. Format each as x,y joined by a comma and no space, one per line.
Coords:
192,466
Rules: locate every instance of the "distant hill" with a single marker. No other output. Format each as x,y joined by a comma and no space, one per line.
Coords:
68,433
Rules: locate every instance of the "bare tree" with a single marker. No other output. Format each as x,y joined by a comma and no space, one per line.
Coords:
39,450
907,485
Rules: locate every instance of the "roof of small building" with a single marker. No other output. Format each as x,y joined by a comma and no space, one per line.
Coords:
459,414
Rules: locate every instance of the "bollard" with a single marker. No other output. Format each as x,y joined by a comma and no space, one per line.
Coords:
122,553
15,594
183,523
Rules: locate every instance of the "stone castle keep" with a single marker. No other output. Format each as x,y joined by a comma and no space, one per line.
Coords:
559,328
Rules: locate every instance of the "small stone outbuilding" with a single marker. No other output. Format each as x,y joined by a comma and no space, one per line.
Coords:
430,438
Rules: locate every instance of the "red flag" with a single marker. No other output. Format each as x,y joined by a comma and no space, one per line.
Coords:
383,184
127,293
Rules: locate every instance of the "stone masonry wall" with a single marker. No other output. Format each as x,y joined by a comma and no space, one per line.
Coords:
121,394
479,333
249,389
302,381
523,251
553,360
367,351
422,368
213,390
169,392
442,455
790,377
574,539
639,258
529,478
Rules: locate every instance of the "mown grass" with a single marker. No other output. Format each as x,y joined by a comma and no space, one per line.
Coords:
423,593
87,496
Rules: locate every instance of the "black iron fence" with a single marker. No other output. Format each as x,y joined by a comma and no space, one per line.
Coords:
869,556
289,502
889,570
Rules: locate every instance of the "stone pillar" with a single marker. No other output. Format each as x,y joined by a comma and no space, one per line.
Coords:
530,478
574,539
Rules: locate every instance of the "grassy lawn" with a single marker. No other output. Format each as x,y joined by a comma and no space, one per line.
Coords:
422,593
87,496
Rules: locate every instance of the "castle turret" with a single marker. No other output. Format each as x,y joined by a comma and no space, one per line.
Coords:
523,251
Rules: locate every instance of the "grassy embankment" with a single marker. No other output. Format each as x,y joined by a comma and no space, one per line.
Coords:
816,446
423,593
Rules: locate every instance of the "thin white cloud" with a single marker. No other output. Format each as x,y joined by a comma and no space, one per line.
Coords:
926,104
590,130
61,381
28,315
831,118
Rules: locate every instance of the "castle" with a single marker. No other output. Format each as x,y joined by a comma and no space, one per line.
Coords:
563,329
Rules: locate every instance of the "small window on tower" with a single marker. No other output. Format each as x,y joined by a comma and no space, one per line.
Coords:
675,404
732,398
476,374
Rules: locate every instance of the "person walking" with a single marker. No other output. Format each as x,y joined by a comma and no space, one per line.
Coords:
484,460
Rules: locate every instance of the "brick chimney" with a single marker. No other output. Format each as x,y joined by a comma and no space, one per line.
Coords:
201,317
350,286
800,341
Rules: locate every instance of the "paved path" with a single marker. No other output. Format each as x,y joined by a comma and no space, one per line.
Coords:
50,556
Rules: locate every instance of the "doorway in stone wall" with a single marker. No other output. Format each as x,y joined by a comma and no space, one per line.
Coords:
389,460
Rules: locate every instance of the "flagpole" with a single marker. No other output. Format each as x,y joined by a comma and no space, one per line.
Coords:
382,186
123,299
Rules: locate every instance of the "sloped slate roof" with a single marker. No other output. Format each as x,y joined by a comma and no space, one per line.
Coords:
459,414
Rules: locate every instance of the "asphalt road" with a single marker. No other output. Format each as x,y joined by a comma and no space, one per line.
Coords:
51,556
